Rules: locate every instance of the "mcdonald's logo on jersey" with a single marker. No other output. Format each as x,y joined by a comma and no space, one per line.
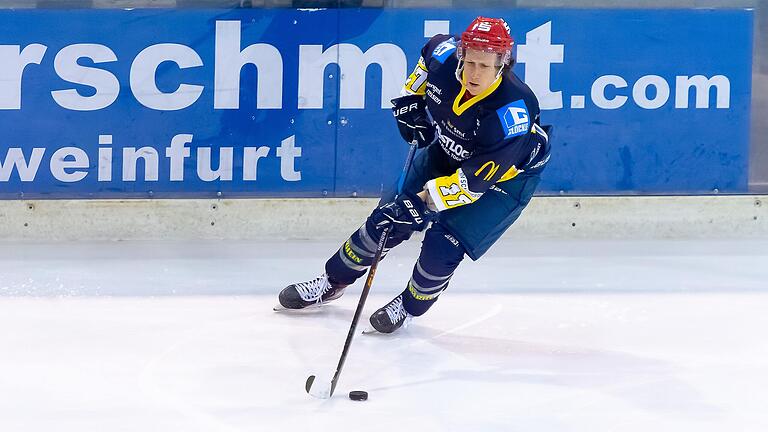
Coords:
492,168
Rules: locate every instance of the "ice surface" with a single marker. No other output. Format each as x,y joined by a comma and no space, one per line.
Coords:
538,336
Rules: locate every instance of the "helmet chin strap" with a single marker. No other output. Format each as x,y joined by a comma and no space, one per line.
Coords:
460,71
499,72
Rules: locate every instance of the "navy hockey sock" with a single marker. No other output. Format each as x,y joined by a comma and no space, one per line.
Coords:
440,254
356,254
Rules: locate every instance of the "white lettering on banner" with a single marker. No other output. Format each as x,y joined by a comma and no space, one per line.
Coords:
288,152
131,158
251,156
230,61
598,92
59,164
204,170
702,85
12,65
640,92
66,159
105,158
144,69
15,158
176,154
104,82
352,65
538,54
683,86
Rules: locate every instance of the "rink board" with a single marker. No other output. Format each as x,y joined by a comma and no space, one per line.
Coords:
659,217
155,103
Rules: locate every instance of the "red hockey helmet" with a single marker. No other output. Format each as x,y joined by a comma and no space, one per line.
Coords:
490,35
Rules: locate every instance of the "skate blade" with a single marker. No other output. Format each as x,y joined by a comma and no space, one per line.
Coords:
369,330
311,308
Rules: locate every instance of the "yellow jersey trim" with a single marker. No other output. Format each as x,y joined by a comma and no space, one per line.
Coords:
459,108
510,174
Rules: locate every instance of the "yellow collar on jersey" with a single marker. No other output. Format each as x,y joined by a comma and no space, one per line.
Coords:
459,108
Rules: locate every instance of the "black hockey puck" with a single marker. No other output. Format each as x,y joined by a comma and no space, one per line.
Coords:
358,395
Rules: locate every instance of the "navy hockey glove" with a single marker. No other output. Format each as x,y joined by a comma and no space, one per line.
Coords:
412,121
407,213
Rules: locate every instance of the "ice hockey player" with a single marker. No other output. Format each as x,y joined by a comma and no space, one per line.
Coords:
481,153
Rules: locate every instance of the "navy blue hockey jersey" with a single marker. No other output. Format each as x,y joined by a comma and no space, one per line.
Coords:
488,139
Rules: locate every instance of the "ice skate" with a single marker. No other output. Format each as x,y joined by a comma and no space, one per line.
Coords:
390,317
310,293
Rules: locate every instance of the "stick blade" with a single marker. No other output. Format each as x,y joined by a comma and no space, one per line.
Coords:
318,388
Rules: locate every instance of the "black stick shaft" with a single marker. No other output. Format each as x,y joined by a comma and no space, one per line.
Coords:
371,272
360,306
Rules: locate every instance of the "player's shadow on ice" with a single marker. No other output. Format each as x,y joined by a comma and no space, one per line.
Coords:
646,382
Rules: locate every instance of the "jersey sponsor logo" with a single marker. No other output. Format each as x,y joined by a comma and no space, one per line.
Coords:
491,171
434,93
454,130
450,147
453,149
443,50
514,118
434,88
434,98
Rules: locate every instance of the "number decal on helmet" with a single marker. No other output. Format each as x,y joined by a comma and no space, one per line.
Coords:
482,26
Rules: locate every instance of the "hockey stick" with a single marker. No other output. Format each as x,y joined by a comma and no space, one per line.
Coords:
324,390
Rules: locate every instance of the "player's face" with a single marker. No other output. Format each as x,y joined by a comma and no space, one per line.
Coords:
479,70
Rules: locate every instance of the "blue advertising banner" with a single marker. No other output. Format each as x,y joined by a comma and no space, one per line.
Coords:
295,102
